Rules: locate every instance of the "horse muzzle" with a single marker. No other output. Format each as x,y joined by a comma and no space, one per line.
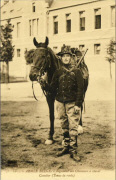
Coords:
36,73
33,77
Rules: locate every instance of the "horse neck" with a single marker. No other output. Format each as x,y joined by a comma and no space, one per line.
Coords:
54,64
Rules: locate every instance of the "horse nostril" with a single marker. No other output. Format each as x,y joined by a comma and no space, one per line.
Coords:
34,74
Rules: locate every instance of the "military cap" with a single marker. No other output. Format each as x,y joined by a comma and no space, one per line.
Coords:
65,50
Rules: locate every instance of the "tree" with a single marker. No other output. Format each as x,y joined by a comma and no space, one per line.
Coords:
7,49
111,54
29,56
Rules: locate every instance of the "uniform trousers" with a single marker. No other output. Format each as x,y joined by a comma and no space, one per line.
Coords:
69,122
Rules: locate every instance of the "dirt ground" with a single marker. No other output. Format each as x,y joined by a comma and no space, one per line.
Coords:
24,129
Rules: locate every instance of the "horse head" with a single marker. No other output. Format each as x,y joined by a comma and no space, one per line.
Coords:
41,59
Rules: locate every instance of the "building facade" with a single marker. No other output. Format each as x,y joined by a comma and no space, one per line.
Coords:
29,20
86,24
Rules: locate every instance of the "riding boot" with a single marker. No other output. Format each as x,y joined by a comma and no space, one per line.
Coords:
73,149
66,143
65,150
75,156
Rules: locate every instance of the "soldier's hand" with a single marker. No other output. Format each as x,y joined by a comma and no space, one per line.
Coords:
77,109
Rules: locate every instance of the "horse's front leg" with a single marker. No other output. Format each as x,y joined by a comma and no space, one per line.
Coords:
50,102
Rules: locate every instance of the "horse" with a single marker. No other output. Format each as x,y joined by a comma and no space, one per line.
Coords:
45,61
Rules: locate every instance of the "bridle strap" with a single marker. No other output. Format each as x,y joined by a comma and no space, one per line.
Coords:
42,68
45,64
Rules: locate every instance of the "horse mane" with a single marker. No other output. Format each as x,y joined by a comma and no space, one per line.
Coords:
55,58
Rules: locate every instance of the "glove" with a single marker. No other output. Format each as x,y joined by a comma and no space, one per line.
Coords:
77,109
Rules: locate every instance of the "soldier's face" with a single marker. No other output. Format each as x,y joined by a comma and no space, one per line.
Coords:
66,58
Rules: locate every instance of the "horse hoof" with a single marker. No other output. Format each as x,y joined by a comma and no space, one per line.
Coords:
49,141
80,129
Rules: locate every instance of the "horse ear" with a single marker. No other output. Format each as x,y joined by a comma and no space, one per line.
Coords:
35,42
47,41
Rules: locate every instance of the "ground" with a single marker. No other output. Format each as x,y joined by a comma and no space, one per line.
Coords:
24,129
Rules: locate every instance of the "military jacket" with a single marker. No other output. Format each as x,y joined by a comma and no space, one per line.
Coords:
67,85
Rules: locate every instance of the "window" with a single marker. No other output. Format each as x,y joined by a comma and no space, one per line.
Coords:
97,48
30,28
18,29
113,16
33,7
82,20
34,26
68,22
97,18
82,48
55,21
18,53
37,26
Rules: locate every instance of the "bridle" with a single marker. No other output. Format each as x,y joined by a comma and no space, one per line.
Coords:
46,65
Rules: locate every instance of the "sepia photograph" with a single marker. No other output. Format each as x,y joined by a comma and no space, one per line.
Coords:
57,81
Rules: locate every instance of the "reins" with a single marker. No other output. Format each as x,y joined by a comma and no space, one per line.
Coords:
45,94
33,92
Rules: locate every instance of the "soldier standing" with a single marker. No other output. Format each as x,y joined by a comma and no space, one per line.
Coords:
68,89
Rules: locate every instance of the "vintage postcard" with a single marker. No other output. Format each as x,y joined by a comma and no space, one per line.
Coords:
57,89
